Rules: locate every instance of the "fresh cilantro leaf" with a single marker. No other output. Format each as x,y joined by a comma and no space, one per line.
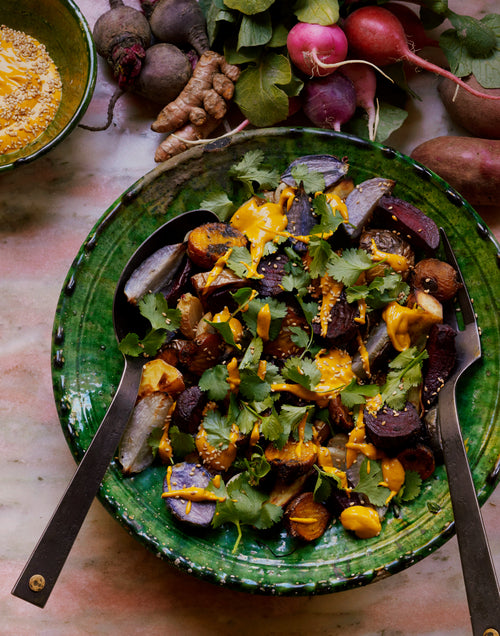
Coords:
154,440
299,337
323,486
220,204
320,253
249,171
214,382
411,487
252,387
252,354
217,428
246,419
381,291
303,371
239,261
182,443
245,505
132,345
406,373
348,267
257,467
311,180
271,427
224,328
330,219
278,312
370,477
309,309
297,280
155,308
355,394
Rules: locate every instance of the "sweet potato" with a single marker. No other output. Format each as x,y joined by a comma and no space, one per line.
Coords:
469,164
480,117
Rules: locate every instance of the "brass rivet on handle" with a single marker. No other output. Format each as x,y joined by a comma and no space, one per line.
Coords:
37,583
491,632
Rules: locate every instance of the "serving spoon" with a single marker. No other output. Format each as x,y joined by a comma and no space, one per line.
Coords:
42,570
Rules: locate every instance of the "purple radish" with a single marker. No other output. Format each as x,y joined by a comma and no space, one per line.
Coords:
329,101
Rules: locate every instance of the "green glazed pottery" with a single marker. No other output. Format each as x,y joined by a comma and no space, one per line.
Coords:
62,28
87,367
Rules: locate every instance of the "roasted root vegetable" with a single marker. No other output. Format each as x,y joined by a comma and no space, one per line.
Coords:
207,243
437,278
420,459
306,519
293,460
469,164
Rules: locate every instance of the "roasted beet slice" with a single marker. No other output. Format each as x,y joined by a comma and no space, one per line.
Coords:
293,460
188,409
391,430
182,477
200,354
342,327
419,459
180,283
440,363
273,269
410,221
300,218
339,500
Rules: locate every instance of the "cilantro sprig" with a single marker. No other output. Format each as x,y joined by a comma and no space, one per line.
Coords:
162,319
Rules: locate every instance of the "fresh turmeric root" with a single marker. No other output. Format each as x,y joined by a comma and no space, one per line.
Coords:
197,111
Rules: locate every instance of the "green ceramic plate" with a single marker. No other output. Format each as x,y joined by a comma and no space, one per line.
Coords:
87,367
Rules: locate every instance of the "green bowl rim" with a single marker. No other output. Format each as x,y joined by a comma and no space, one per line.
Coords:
74,9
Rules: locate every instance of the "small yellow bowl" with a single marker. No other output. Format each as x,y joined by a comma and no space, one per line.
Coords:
61,27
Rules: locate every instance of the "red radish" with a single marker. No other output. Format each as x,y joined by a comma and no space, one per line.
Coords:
312,45
365,84
412,25
329,101
376,35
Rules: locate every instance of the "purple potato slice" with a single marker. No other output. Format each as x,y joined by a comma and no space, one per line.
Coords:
195,513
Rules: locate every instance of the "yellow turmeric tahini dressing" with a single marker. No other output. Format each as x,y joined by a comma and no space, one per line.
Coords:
30,90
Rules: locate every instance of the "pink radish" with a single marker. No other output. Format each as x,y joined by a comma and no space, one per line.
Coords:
310,46
365,84
376,35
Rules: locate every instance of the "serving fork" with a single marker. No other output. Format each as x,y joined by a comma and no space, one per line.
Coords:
481,584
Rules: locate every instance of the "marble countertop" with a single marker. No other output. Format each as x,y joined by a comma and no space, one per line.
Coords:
111,584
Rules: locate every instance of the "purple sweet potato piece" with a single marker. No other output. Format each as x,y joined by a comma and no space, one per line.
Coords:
273,269
391,430
410,221
440,363
184,475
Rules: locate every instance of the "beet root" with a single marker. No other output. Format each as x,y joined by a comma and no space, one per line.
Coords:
165,71
392,430
121,36
180,22
442,356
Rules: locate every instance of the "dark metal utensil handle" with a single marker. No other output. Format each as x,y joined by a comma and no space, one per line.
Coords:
47,560
481,585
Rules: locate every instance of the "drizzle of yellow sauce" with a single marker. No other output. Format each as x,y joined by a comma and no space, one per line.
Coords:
363,353
396,261
233,376
218,268
264,322
30,89
286,197
305,520
260,221
405,322
393,474
332,470
337,205
362,520
255,434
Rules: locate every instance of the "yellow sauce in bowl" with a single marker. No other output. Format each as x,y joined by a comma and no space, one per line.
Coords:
30,90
